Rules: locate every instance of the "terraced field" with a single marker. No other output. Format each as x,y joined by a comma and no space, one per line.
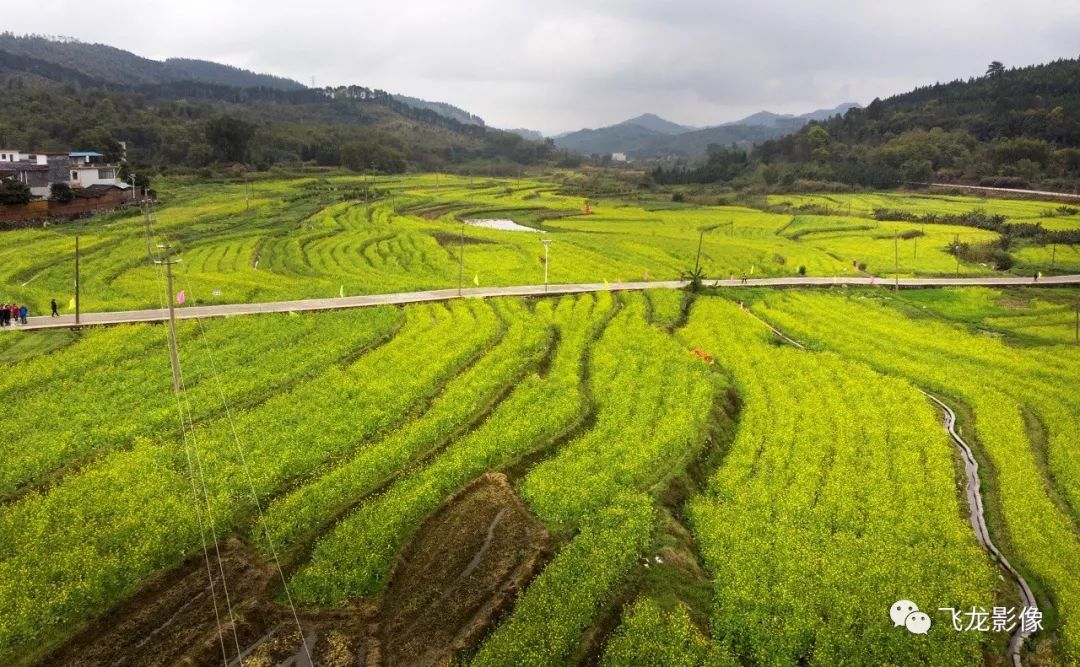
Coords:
658,480
344,235
738,477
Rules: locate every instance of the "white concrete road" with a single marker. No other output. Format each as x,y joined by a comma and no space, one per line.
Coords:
306,305
1007,191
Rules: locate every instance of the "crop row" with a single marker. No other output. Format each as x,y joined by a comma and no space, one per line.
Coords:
836,499
109,399
561,603
354,558
653,401
651,636
295,243
308,509
1001,385
70,553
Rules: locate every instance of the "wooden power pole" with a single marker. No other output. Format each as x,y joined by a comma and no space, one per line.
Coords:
174,355
896,260
76,280
461,259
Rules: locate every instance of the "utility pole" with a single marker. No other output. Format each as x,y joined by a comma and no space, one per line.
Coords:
461,259
149,234
697,260
956,249
701,240
547,243
174,355
76,280
247,192
896,259
1053,255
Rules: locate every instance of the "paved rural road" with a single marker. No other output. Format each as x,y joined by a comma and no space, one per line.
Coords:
1006,191
224,310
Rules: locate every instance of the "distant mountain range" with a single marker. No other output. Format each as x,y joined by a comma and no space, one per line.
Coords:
785,121
650,136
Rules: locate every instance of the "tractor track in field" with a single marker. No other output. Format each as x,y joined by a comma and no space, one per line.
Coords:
976,510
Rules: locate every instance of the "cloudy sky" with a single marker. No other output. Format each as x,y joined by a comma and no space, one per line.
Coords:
557,65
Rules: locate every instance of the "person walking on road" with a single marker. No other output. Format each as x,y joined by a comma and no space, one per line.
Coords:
4,315
23,311
55,312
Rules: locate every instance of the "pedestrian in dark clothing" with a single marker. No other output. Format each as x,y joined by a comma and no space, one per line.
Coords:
23,311
13,311
55,312
5,315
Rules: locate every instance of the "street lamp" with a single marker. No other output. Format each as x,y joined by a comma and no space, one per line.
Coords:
547,244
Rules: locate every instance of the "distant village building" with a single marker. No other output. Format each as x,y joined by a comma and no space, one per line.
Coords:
79,169
90,168
618,157
31,169
94,181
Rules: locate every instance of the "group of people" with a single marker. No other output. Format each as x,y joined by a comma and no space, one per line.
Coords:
11,313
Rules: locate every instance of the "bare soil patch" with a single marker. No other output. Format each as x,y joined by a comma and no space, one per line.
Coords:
461,573
465,569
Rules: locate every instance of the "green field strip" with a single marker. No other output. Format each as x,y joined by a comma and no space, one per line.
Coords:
991,379
538,411
834,470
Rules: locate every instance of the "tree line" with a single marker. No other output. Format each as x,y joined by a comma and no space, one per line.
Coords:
1008,128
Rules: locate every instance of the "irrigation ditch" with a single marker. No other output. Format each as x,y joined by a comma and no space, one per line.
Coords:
976,512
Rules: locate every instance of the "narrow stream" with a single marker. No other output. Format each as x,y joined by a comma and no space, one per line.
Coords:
978,522
976,514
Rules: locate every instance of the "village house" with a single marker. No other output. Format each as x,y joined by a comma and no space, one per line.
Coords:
78,169
90,168
31,169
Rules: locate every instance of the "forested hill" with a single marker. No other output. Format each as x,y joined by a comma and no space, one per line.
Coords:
108,64
56,96
1010,127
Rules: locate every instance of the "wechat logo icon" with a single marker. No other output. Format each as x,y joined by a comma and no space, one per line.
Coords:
907,614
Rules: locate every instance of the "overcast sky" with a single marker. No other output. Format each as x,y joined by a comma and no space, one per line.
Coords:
559,65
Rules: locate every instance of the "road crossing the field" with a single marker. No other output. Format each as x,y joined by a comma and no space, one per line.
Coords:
400,298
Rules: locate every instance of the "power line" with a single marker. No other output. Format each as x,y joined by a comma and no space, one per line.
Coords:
184,430
247,474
